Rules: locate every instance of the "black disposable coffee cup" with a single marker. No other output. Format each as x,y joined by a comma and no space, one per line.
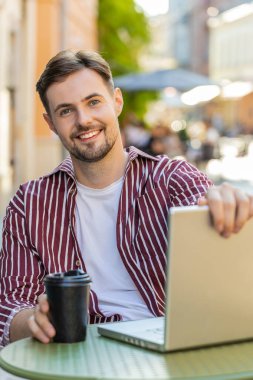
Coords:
68,298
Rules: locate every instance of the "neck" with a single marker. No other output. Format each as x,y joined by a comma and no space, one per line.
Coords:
103,173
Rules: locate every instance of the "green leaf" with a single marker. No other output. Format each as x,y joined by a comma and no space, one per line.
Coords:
123,33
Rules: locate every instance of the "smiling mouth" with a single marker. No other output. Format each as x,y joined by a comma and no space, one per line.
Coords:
85,136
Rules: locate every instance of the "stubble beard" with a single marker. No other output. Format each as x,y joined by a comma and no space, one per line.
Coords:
89,153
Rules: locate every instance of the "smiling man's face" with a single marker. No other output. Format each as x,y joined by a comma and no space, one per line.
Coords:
84,114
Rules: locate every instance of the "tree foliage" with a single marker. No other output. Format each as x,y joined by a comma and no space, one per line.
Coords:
123,32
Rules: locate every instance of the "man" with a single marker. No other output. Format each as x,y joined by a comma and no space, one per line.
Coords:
104,209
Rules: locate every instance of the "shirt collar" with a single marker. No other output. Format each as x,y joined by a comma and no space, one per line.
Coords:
135,152
67,165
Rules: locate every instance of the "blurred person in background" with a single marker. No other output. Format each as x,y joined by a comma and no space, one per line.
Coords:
165,141
158,144
104,209
136,134
210,141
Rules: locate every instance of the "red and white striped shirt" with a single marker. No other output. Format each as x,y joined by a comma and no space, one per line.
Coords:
39,232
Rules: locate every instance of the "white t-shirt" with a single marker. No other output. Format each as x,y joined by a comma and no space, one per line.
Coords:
96,217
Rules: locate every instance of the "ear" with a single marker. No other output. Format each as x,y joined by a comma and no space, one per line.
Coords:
49,122
118,98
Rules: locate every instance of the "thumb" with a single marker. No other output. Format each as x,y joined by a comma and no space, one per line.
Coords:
202,201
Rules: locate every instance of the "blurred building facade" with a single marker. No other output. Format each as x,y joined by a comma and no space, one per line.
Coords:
203,40
189,36
190,33
156,55
231,61
31,32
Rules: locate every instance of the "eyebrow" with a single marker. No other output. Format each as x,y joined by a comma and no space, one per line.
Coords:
63,105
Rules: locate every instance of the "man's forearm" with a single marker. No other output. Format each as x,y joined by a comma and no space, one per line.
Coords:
19,328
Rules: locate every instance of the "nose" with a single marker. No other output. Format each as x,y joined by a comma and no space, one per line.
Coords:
84,117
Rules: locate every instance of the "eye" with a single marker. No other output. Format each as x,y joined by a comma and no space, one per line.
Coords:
94,102
65,111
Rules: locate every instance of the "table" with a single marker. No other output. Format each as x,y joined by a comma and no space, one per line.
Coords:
103,358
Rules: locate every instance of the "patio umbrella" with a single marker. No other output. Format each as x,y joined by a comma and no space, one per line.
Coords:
182,80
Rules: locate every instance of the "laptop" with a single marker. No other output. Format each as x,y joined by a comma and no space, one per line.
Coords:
209,288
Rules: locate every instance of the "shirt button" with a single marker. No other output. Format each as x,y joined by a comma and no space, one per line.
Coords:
78,263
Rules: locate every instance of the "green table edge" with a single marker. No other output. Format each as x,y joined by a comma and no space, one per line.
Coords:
29,375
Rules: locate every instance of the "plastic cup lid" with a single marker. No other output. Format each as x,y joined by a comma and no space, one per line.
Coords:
72,276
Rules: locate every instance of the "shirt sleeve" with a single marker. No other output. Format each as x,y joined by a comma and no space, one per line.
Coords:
21,270
186,184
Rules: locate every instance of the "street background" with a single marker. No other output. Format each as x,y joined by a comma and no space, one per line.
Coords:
185,69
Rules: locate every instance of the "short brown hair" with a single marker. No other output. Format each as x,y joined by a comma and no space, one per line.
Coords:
67,62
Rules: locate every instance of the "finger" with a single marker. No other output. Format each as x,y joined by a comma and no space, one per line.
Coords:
40,322
229,206
216,208
43,322
36,331
43,303
202,201
243,209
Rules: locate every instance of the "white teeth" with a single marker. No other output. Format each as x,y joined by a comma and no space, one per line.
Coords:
88,135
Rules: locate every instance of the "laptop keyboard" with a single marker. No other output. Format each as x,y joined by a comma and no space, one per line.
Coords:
156,334
158,331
